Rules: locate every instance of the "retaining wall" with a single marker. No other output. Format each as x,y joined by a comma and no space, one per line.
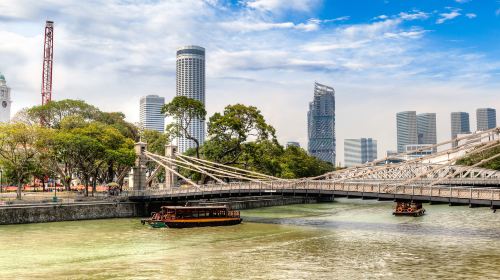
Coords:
67,212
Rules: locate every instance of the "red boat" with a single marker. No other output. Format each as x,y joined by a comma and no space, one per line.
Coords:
193,216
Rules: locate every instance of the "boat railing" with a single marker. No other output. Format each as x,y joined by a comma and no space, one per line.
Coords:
233,214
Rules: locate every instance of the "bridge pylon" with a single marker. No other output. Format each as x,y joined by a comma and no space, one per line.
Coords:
139,170
170,177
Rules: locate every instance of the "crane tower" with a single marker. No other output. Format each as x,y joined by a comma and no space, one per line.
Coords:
48,59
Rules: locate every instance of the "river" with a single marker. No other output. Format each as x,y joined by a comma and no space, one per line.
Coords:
347,239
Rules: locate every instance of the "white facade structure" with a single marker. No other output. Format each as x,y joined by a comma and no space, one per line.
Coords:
150,113
190,82
5,101
359,151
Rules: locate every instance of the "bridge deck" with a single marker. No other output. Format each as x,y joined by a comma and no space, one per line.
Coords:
451,194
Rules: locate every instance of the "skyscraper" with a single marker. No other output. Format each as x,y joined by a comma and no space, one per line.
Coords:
459,124
359,151
150,113
190,82
406,129
5,101
321,123
486,118
426,129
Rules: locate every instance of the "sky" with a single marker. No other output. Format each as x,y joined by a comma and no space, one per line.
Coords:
381,56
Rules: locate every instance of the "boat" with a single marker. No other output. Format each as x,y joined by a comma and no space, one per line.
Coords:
403,208
193,216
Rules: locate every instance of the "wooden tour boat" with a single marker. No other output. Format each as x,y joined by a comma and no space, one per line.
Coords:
414,209
193,216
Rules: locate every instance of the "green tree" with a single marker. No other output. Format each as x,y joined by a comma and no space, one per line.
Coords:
55,111
185,111
19,151
228,131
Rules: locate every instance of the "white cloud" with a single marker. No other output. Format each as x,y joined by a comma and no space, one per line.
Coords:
471,15
462,1
448,16
414,15
280,5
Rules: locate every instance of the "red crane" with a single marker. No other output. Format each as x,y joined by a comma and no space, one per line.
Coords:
48,60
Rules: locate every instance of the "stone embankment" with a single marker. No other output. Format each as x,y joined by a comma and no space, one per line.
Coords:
57,212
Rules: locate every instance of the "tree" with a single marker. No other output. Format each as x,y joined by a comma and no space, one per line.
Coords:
55,111
296,163
185,111
18,152
228,131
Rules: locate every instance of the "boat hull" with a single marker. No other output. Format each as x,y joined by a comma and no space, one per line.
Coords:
202,223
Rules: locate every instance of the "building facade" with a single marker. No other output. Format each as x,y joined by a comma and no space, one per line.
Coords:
150,113
190,82
459,125
5,101
321,124
426,129
406,125
486,118
359,151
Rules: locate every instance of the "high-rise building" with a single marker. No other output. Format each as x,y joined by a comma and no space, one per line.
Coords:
190,82
406,129
150,113
321,123
486,118
426,129
359,151
5,100
459,125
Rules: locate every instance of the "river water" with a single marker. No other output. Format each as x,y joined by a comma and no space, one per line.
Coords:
348,239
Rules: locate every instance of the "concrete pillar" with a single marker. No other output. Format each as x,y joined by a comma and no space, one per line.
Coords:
170,177
139,170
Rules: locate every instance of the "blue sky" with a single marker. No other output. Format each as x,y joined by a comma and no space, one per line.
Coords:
381,56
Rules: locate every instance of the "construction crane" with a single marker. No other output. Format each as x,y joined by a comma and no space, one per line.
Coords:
48,60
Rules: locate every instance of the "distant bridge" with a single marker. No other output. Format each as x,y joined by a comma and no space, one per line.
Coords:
433,178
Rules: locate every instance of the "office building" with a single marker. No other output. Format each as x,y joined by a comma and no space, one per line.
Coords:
459,125
5,101
150,113
426,129
418,151
359,151
486,118
406,129
321,124
190,82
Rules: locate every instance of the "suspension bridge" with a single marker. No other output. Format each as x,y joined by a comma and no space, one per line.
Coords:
431,178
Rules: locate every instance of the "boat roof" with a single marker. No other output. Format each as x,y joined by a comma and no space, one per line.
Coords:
194,207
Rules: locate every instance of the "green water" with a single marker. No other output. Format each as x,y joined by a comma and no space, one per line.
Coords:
349,239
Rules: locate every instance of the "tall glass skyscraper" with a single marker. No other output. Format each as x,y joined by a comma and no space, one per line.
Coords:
459,124
150,113
359,151
486,118
321,123
406,124
190,82
426,129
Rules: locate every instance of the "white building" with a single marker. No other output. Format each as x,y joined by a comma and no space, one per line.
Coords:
5,101
150,113
190,82
359,151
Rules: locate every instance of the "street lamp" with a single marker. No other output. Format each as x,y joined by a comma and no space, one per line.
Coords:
1,180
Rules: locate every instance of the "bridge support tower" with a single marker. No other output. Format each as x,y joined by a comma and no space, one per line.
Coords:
170,177
139,170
